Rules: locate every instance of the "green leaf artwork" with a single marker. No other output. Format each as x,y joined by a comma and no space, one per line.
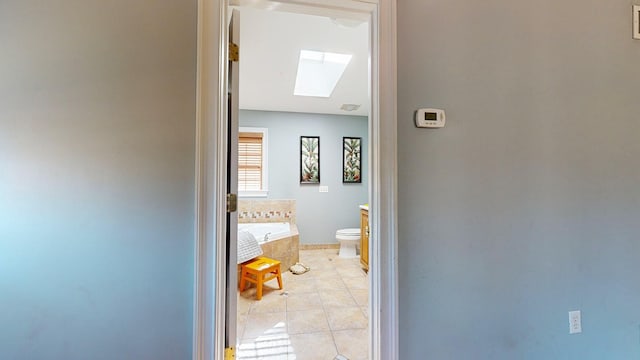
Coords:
309,159
351,161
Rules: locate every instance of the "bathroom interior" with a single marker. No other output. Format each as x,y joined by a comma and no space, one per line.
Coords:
322,224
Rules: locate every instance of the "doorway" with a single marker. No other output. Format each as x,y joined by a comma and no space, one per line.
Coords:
210,307
324,312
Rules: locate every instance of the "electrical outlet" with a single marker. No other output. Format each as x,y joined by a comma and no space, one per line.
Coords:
575,322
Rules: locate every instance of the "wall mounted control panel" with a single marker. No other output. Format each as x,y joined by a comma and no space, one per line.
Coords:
430,118
636,22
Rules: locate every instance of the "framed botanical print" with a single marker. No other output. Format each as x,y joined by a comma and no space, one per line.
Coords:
309,159
351,160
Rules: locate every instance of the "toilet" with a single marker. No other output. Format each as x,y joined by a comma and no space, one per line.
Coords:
348,239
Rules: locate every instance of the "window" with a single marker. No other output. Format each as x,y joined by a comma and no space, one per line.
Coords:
252,162
319,72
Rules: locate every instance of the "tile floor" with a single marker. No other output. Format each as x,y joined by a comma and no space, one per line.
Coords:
317,316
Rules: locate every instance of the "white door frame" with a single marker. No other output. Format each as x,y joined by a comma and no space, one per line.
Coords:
210,187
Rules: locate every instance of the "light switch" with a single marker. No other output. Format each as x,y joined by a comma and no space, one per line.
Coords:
575,322
323,189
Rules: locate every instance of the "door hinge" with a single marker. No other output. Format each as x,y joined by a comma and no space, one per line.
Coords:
234,52
229,353
232,203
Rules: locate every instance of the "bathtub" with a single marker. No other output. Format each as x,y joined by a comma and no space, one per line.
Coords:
264,232
282,244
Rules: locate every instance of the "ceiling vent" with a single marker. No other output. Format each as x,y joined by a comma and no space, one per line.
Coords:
349,107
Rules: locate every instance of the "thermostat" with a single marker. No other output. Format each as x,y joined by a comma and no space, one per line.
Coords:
636,22
430,118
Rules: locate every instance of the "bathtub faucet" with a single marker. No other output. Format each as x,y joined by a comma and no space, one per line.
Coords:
266,236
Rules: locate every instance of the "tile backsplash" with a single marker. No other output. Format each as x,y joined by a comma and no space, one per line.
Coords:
252,211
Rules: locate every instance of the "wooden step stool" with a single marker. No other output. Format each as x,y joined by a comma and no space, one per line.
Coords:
259,271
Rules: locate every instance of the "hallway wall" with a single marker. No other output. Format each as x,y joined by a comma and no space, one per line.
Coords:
526,205
97,124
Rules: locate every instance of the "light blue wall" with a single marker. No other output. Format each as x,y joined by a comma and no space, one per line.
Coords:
97,131
319,215
526,204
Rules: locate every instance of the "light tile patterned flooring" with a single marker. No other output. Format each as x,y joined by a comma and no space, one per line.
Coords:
317,316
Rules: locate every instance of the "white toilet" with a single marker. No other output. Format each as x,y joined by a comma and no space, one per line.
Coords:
348,239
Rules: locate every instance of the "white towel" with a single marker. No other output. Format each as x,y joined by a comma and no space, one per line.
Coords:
248,247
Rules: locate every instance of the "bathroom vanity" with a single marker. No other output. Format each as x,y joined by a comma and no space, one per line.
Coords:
364,237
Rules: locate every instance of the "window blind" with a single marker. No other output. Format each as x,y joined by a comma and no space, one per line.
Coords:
250,161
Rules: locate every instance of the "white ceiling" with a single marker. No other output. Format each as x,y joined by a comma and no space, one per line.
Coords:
270,44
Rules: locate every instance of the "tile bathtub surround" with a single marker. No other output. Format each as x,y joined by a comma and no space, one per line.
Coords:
285,250
255,211
318,315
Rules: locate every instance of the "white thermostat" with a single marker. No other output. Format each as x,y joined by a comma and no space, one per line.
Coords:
636,22
430,118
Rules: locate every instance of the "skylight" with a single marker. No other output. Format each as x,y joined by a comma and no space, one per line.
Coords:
319,72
